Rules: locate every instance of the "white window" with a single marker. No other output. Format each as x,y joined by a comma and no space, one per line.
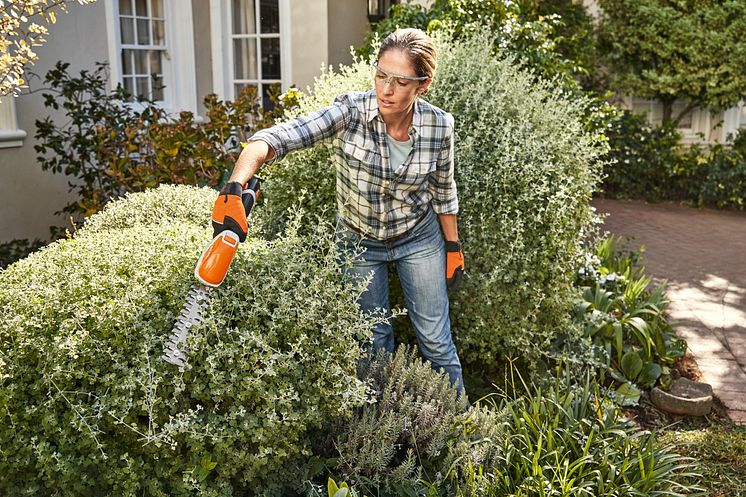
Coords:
256,47
151,51
143,37
250,47
10,135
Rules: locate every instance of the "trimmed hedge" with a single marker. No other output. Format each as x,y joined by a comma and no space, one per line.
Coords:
525,168
87,407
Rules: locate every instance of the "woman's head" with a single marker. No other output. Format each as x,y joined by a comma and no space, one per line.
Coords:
417,45
404,70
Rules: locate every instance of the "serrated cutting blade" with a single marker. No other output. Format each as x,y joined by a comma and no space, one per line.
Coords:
191,315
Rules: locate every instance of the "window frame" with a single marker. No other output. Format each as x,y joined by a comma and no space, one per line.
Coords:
10,135
221,27
178,64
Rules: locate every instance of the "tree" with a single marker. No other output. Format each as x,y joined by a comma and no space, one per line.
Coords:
668,50
552,37
23,26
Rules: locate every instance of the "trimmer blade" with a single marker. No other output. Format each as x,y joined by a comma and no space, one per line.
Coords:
190,315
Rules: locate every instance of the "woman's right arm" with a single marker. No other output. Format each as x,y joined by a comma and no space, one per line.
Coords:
272,144
256,153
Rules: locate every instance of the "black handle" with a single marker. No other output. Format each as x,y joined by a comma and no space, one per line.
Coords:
250,195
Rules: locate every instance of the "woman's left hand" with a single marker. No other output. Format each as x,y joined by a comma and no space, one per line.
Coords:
454,264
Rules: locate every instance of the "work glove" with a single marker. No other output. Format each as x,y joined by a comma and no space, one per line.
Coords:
228,213
454,265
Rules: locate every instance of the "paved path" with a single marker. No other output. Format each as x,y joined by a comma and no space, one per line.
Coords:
702,254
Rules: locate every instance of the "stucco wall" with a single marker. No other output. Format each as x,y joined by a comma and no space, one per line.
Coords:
348,22
29,195
202,50
309,40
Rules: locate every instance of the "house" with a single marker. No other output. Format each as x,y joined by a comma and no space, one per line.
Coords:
175,52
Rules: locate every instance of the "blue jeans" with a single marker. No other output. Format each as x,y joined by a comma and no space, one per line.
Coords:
421,262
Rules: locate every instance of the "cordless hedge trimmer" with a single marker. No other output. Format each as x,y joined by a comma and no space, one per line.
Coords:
211,270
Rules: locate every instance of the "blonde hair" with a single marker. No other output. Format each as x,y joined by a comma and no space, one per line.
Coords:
418,46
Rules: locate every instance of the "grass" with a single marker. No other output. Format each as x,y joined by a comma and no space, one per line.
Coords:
721,454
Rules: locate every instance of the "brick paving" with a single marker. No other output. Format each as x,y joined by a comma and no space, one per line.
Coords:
702,255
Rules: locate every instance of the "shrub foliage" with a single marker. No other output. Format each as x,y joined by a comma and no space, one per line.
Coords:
89,408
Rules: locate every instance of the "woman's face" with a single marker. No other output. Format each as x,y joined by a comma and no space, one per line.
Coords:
396,95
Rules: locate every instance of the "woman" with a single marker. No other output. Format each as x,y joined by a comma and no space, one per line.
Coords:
394,160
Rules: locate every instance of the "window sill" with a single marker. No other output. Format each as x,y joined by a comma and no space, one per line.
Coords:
10,139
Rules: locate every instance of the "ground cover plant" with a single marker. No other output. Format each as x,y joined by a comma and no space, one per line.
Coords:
88,407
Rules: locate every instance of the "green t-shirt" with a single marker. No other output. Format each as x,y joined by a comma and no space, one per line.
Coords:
398,151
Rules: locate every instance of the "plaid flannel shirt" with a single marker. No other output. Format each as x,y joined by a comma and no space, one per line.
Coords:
370,196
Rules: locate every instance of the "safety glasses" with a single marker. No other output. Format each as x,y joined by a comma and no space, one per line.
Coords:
399,81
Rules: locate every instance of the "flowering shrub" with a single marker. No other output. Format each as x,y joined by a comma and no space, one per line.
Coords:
89,408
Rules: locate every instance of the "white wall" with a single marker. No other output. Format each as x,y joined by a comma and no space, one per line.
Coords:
31,196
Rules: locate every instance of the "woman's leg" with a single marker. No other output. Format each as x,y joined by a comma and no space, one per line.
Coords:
420,261
373,262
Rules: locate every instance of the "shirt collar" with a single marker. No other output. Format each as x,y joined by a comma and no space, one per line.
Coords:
372,112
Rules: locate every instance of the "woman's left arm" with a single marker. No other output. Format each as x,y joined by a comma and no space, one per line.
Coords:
449,226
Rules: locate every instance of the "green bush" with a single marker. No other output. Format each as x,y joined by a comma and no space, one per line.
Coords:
525,169
111,147
89,408
553,38
166,204
649,162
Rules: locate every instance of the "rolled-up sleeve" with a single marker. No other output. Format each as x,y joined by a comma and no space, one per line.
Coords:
442,184
306,131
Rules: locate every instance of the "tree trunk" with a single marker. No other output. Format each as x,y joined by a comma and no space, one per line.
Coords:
667,110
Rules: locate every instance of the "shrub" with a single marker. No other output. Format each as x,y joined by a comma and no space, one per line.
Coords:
167,204
626,321
111,147
89,408
649,162
392,443
525,168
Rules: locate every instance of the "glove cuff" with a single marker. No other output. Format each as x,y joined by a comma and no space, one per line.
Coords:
232,188
453,246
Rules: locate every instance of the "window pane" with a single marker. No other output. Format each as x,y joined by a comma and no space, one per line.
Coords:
271,58
125,7
244,21
157,83
239,87
141,61
157,6
143,32
128,66
159,33
743,116
128,30
141,7
155,62
270,16
129,87
267,90
244,59
143,89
